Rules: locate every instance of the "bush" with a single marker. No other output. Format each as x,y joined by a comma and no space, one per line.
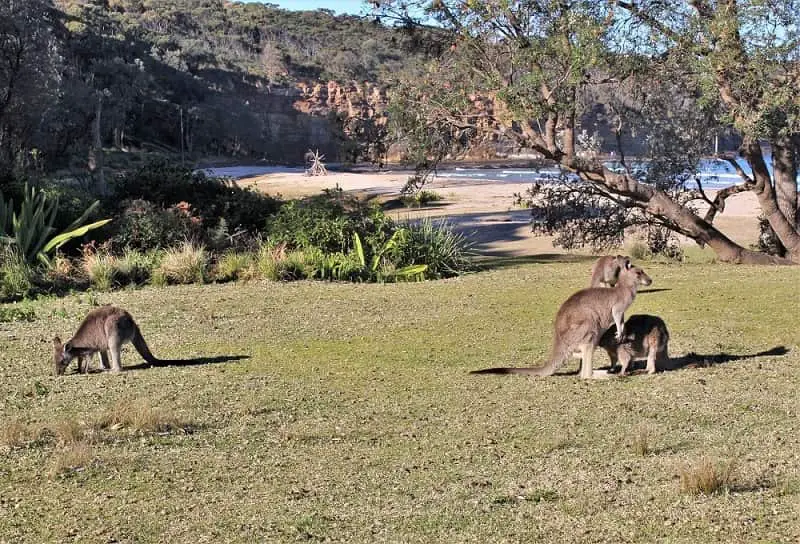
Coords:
136,268
417,200
100,266
328,222
267,261
166,184
314,223
446,252
144,226
186,264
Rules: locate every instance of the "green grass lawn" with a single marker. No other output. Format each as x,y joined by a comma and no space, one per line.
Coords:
353,417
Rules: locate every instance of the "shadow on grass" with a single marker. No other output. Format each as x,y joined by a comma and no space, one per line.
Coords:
197,361
500,263
695,360
690,360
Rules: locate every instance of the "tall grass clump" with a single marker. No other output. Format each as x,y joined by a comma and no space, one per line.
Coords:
706,477
71,458
234,265
16,275
185,264
446,252
100,266
138,417
136,268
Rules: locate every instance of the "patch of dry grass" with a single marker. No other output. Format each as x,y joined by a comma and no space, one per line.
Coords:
72,457
140,417
14,434
183,265
707,477
642,442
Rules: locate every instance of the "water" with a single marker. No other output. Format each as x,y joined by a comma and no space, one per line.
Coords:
713,173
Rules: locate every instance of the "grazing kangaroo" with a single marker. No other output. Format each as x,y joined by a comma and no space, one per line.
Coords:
104,330
581,321
605,270
645,337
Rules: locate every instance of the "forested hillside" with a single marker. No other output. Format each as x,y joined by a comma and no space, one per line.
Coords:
201,78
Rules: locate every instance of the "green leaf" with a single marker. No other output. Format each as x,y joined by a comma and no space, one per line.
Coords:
58,241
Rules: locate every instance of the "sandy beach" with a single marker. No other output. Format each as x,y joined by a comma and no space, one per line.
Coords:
482,209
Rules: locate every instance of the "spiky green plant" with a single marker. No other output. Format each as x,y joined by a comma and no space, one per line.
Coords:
30,229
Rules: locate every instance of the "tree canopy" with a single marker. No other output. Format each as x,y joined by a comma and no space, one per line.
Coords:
676,71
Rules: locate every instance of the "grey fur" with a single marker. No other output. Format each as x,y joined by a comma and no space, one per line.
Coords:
645,338
581,321
104,331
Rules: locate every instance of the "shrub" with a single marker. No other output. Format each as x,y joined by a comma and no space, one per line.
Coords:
166,184
328,222
313,223
445,252
420,198
338,267
62,274
267,261
16,275
186,264
299,264
143,226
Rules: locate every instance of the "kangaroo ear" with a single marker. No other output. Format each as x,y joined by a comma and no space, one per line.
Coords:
628,264
56,341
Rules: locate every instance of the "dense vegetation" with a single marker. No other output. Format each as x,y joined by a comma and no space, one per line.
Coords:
178,76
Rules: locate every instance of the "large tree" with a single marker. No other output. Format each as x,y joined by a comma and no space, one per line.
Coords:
676,69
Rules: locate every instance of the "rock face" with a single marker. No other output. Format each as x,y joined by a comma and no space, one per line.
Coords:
345,122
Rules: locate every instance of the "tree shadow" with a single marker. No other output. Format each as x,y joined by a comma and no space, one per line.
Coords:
196,361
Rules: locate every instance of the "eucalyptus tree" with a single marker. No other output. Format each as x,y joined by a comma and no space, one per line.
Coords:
675,70
28,77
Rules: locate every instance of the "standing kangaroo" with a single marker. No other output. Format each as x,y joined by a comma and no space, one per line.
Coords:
645,337
605,270
104,330
581,321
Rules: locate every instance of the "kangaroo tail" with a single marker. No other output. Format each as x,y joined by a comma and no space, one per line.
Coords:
559,355
141,346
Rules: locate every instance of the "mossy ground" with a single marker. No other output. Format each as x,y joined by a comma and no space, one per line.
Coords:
346,412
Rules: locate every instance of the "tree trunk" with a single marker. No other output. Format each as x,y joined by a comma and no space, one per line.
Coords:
784,167
658,203
95,162
785,230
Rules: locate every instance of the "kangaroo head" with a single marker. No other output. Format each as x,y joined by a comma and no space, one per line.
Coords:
62,356
634,275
